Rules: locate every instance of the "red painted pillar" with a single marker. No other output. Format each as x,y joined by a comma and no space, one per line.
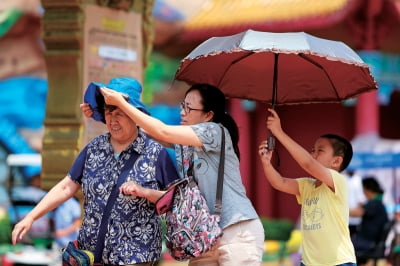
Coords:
242,120
367,113
367,109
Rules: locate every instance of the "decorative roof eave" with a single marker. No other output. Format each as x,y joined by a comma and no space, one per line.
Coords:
204,25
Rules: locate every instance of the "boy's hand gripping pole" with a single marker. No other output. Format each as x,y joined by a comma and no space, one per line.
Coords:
271,138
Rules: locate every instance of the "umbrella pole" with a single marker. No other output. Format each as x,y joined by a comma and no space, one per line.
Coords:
271,138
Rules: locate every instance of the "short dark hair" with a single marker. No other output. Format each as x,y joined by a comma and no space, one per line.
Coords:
341,147
110,108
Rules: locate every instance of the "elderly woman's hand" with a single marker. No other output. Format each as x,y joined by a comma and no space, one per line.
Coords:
86,110
133,189
20,229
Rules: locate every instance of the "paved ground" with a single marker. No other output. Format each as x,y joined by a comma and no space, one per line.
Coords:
286,262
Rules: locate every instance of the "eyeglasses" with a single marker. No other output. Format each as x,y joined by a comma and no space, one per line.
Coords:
187,109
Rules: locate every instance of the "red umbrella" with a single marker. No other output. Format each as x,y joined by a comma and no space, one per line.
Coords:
278,68
300,67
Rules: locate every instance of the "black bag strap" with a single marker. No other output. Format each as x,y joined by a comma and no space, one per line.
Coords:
110,202
221,167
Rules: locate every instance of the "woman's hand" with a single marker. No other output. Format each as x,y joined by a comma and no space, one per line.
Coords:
112,97
20,229
133,189
86,110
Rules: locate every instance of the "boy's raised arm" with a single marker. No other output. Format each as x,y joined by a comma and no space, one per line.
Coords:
277,181
299,154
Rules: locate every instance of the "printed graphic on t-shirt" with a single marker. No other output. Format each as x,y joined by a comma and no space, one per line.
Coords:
312,214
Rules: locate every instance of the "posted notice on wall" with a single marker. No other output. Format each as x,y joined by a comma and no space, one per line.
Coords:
112,48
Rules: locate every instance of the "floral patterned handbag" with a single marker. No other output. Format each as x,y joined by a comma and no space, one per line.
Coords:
73,256
191,229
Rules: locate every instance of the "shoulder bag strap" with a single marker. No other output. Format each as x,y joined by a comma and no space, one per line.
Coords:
107,210
221,167
183,167
220,182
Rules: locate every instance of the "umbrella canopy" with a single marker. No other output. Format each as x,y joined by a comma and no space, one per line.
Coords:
278,68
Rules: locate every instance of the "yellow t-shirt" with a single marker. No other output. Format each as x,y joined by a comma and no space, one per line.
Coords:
324,222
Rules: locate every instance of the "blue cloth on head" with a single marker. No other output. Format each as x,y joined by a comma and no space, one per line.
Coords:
128,86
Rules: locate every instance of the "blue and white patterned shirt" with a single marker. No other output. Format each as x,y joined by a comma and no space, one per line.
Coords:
134,230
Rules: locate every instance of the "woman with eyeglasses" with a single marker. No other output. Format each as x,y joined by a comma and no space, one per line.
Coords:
202,110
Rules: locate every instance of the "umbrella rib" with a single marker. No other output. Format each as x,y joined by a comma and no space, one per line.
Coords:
321,67
232,63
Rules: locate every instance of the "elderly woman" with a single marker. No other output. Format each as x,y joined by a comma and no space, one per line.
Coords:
132,230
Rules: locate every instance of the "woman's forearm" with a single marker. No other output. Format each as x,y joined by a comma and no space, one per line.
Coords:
61,192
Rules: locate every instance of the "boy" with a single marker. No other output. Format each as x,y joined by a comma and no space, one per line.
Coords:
323,196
